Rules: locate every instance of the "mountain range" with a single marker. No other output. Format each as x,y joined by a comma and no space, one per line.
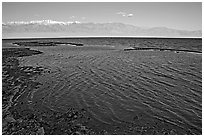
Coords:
50,28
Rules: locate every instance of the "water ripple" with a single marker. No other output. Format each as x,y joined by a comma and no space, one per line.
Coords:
114,86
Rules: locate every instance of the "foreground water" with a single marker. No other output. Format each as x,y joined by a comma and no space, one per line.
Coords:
115,87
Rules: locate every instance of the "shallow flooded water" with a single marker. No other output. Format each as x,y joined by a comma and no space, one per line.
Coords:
147,88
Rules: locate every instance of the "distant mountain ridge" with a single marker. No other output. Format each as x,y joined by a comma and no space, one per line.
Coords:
42,22
49,28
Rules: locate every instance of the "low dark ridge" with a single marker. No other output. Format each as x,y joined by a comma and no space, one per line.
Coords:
45,43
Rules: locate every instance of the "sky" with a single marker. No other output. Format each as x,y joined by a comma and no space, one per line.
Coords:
176,15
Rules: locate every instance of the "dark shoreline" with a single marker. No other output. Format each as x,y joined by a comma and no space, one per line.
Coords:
163,49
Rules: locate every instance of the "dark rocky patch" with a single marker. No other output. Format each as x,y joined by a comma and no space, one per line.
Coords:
18,52
18,117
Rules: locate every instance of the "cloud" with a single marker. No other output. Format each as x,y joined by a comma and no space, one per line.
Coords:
130,15
125,14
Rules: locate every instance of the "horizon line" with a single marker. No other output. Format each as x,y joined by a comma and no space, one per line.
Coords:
7,38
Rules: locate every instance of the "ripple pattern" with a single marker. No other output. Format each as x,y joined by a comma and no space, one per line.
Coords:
115,86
